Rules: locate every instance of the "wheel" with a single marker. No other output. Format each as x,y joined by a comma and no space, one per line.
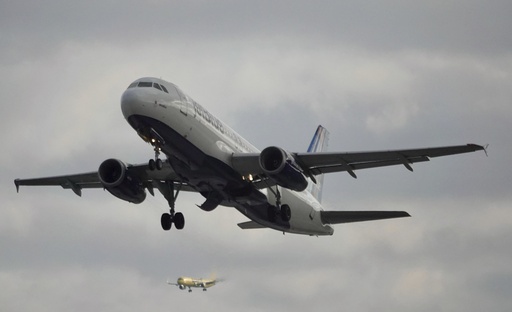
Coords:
179,221
151,164
286,213
166,221
159,164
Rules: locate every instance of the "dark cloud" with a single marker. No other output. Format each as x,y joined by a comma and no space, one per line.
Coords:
457,26
382,75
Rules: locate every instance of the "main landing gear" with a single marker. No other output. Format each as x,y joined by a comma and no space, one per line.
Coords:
282,211
168,219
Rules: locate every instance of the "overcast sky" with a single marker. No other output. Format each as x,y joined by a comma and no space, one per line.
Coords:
377,74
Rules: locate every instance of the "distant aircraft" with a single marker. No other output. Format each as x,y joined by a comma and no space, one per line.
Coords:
274,188
184,282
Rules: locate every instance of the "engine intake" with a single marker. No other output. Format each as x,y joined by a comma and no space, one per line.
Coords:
280,166
116,177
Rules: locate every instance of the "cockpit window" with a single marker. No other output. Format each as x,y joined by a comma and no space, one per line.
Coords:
145,84
163,88
148,84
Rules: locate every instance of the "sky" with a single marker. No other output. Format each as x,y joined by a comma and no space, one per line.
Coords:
378,75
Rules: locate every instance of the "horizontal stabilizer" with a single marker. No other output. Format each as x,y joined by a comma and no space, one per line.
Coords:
335,217
250,225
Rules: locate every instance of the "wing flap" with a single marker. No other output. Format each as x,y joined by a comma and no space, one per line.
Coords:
336,217
366,165
325,159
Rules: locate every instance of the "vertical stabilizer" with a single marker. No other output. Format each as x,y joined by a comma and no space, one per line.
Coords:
319,143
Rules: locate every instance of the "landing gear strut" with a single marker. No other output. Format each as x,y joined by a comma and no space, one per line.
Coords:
167,219
156,163
157,141
283,211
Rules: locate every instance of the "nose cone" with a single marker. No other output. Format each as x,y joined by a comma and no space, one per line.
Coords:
130,102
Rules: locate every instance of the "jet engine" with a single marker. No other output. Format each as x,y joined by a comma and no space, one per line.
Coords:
280,166
120,182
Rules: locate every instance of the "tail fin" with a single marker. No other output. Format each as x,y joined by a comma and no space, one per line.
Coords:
319,143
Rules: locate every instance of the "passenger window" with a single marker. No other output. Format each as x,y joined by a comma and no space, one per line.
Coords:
145,84
156,85
163,88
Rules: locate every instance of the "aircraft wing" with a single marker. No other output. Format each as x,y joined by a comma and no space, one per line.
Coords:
77,182
327,162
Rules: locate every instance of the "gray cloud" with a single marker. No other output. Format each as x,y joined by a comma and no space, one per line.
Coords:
378,76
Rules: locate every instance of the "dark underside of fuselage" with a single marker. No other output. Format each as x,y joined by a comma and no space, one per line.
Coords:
216,181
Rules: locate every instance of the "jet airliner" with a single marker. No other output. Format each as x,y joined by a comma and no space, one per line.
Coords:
274,188
184,282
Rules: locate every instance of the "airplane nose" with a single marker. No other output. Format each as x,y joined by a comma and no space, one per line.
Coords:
130,102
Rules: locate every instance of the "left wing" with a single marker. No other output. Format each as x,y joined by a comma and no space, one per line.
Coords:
327,162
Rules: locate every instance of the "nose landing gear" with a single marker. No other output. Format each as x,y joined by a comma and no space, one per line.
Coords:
157,141
156,163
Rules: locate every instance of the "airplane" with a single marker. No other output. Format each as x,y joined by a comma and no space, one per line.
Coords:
184,282
274,188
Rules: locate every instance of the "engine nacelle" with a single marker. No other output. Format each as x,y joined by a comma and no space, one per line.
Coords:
280,166
120,182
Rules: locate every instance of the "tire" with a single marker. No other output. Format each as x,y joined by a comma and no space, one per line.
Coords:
179,221
151,164
286,213
166,221
159,164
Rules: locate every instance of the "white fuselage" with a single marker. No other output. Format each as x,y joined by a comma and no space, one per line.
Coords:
217,140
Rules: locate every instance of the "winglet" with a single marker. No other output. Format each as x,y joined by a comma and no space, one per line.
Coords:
17,183
485,149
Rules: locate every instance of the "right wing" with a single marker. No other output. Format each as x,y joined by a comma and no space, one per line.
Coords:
77,182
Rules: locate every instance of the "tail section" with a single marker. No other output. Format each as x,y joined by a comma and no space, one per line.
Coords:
320,140
319,143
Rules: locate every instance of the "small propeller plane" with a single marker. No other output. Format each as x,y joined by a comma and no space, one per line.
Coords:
274,188
184,282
